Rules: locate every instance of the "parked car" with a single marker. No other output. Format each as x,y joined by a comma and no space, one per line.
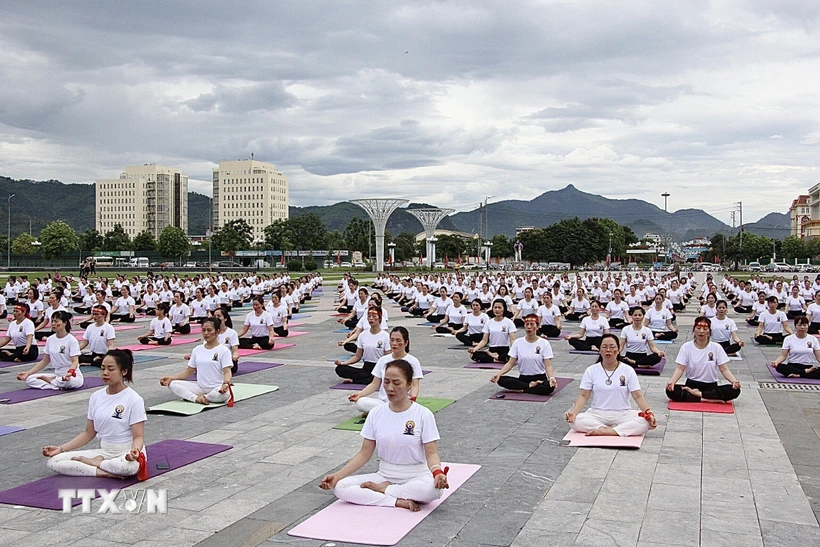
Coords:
754,266
189,264
346,265
438,265
227,264
359,264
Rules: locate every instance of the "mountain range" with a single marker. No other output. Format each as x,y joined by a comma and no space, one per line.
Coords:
34,205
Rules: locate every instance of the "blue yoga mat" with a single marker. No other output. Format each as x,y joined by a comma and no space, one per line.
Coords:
7,429
343,331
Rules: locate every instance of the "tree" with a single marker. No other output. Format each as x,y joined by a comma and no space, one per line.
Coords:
23,244
91,240
502,246
813,247
233,236
116,239
278,235
144,241
405,246
309,232
173,243
793,247
450,246
58,238
359,235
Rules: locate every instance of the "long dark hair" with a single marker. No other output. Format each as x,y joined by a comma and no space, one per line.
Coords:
620,358
125,360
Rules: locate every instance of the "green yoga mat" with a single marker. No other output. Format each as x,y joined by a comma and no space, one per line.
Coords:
432,403
186,408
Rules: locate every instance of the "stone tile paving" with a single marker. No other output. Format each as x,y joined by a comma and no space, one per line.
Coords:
750,478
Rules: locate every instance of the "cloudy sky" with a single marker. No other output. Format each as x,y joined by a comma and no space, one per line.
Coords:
438,101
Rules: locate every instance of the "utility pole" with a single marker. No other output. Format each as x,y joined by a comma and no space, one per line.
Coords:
480,220
609,253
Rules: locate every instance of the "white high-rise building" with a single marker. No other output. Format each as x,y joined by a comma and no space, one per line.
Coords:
251,190
145,197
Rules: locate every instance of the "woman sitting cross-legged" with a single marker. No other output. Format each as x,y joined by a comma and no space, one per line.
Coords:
371,345
593,327
637,340
404,434
771,325
701,359
116,415
800,357
498,337
533,355
610,383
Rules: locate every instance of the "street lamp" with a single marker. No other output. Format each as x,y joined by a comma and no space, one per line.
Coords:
8,242
665,195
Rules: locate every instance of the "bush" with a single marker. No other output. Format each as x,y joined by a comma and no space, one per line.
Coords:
294,265
310,265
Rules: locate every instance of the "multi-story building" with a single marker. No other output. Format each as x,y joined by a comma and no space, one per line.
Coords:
800,214
251,190
145,197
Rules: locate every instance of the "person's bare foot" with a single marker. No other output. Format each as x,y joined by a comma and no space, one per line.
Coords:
408,504
603,432
632,362
93,462
536,382
643,366
695,392
594,348
793,376
347,381
201,399
379,487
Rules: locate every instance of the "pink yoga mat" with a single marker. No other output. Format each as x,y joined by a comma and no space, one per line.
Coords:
43,493
296,323
574,438
292,333
345,522
244,352
174,342
529,397
786,380
119,328
714,408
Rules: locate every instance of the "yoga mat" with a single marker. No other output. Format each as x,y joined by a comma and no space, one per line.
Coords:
339,314
738,357
560,336
443,335
28,394
654,370
300,316
491,366
529,397
345,522
432,403
296,323
292,333
6,364
343,331
426,324
786,380
342,358
664,341
574,438
715,408
8,429
195,329
246,367
174,342
359,387
583,352
146,358
119,328
186,408
42,493
244,352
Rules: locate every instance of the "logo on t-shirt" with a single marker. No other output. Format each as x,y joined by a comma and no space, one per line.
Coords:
409,427
711,356
62,349
215,357
808,344
622,380
538,350
118,412
503,329
379,344
643,335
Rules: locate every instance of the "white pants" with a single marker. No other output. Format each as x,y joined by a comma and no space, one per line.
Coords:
114,461
191,390
73,382
625,422
411,482
366,404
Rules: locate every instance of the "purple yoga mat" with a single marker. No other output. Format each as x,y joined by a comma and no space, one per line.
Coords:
43,493
655,370
782,379
7,429
5,364
492,366
246,367
560,336
515,396
28,394
583,352
359,387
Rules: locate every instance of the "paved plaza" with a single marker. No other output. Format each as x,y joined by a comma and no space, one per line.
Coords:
747,479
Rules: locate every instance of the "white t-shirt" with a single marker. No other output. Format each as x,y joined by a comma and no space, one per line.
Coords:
161,327
19,331
373,346
801,351
456,315
60,351
548,315
113,415
98,337
772,322
702,364
150,300
813,313
530,356
527,308
381,364
594,327
178,314
795,304
229,338
400,436
278,314
722,330
199,307
475,323
615,396
499,331
259,323
657,319
617,311
579,306
637,340
209,364
123,305
708,311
